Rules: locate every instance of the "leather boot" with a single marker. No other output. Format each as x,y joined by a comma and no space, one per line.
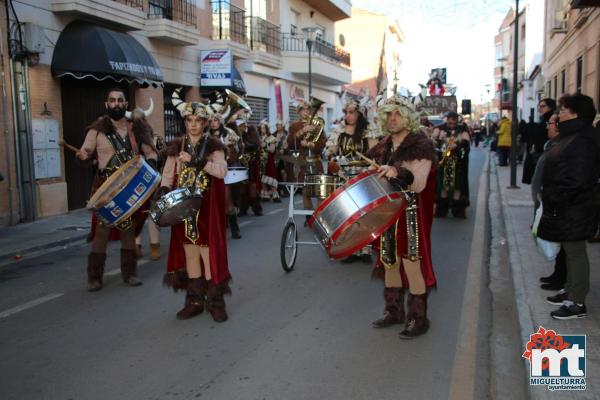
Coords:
216,304
95,270
129,267
155,251
458,209
233,226
394,308
441,208
194,299
256,207
416,320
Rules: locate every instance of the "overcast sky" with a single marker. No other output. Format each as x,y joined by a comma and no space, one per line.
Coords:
458,35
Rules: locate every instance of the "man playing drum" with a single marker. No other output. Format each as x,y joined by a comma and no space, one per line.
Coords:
234,146
406,157
307,150
114,143
197,259
355,133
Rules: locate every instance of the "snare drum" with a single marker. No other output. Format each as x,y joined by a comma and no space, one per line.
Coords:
236,175
356,214
321,186
125,191
175,206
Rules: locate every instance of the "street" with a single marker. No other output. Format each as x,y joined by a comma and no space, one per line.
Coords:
302,335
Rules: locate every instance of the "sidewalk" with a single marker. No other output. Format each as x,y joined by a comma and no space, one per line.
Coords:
528,265
31,239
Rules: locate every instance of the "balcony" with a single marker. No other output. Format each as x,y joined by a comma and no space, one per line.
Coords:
125,15
330,65
335,10
173,21
265,41
229,28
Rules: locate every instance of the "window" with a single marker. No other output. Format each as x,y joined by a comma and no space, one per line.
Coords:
260,109
555,86
256,8
579,76
563,81
293,30
173,122
548,88
294,22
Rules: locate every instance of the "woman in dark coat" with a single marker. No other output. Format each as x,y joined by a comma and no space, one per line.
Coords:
570,193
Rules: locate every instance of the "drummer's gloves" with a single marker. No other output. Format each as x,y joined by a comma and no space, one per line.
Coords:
403,180
153,163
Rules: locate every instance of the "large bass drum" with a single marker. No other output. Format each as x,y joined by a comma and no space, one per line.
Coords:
356,214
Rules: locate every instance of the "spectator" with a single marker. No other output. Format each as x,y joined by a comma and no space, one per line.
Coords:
537,137
556,280
570,199
504,141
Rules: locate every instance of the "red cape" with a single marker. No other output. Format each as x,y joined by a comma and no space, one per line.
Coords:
425,203
213,209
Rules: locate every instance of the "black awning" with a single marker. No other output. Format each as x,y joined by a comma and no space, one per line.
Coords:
237,84
84,50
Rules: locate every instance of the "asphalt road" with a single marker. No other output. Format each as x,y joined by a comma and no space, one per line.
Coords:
302,335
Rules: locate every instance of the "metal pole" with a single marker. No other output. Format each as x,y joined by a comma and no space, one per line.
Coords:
513,131
309,45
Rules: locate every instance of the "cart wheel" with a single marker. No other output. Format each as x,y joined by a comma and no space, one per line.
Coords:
289,247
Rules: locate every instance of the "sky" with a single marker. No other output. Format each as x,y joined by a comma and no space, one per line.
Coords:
456,34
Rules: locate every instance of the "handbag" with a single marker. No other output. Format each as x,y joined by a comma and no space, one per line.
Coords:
548,249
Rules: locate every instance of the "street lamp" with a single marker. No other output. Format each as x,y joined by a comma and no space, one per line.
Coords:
311,35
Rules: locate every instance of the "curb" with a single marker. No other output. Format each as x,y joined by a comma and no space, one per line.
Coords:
525,319
36,251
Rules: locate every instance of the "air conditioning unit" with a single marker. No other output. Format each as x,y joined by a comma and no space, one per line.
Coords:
33,37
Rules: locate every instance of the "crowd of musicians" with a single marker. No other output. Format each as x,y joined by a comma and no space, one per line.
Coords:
429,164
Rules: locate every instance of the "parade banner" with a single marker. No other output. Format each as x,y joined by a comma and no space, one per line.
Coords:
215,68
437,105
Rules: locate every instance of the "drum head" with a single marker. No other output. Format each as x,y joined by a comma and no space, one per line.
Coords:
366,228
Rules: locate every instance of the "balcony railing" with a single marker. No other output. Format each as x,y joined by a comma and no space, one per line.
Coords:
182,11
326,49
139,4
229,22
264,35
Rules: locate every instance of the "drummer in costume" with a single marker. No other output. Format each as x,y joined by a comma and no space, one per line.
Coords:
454,144
114,140
307,150
406,157
269,175
355,133
251,159
197,259
233,143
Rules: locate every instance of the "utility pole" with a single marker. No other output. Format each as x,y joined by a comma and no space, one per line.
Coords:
515,123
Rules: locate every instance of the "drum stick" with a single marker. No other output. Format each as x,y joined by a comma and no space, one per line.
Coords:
68,146
373,163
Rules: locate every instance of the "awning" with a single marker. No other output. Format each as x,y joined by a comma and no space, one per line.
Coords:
237,84
84,50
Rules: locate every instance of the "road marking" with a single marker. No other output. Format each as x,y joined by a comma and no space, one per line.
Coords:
244,223
275,211
462,385
29,304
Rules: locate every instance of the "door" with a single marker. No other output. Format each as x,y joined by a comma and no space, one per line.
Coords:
82,102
